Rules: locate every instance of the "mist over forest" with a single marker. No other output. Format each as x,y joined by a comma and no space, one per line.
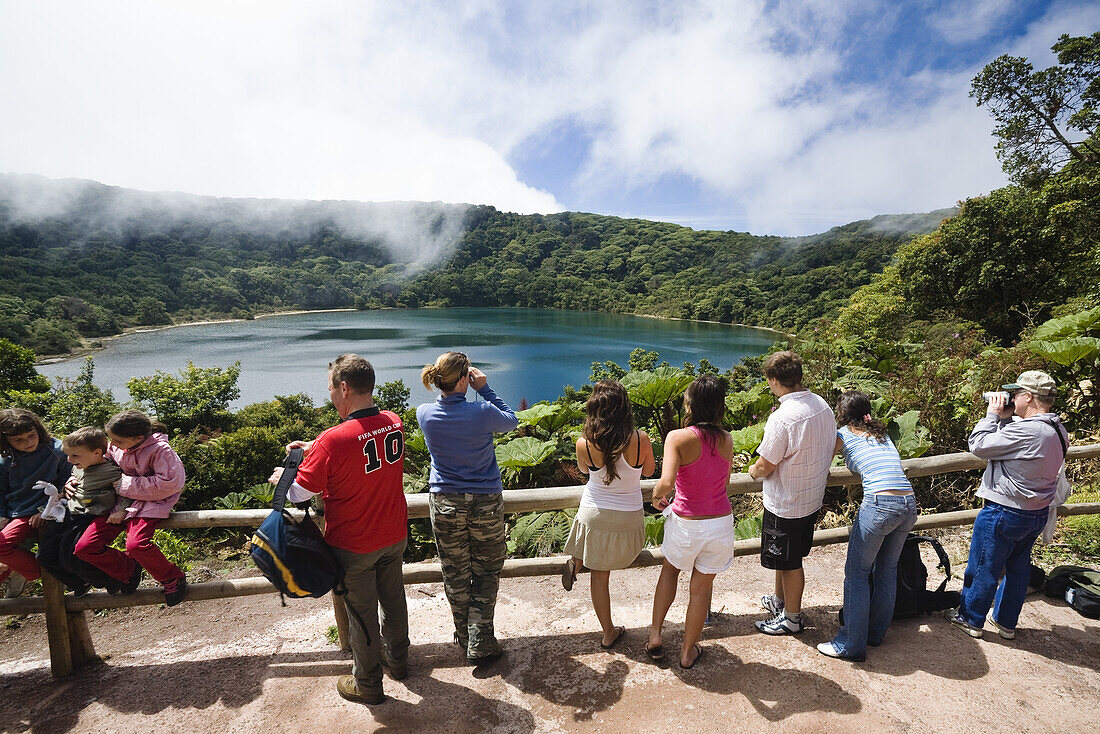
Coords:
82,260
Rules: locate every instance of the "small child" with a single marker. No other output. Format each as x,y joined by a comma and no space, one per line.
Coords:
152,476
92,494
30,460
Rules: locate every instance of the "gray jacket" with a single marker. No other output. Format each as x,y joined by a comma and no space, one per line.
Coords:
1024,459
95,490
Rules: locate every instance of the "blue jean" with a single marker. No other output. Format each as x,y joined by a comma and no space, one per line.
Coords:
1002,541
878,534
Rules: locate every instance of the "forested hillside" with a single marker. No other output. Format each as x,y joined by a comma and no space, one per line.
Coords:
79,259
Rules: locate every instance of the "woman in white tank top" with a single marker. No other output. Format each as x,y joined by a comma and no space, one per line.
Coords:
609,529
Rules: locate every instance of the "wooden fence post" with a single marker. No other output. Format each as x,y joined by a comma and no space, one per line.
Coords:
81,648
57,626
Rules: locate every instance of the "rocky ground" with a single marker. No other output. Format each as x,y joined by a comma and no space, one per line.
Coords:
250,665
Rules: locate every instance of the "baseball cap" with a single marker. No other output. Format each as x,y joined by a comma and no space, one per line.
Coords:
1034,381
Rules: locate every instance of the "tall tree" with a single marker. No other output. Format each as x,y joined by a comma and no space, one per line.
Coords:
1044,118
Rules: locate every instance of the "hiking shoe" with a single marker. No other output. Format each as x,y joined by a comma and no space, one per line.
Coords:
131,584
350,691
82,591
952,616
1004,632
771,603
16,584
175,591
828,648
781,624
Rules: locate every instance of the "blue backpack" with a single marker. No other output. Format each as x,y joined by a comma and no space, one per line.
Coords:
293,555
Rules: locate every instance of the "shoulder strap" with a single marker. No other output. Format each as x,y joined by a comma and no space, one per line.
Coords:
591,466
637,435
945,562
290,470
1058,433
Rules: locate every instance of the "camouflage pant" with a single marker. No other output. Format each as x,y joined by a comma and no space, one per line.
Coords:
470,539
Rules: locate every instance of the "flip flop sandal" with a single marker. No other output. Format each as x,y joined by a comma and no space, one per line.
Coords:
622,632
569,574
698,654
655,653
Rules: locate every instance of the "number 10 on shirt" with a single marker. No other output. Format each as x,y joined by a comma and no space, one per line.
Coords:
393,446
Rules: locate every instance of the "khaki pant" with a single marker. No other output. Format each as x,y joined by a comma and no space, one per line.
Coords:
374,580
470,539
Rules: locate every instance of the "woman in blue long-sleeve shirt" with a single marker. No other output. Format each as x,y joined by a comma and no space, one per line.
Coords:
467,508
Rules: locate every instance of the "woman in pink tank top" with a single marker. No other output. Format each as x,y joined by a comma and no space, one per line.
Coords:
698,522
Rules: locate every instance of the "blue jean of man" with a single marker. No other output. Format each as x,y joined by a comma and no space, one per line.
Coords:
878,534
1002,541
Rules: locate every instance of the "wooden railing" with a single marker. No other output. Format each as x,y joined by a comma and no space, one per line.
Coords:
71,643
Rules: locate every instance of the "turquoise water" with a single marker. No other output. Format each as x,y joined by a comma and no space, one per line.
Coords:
527,353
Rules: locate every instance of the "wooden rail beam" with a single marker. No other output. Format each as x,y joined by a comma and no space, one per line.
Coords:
429,571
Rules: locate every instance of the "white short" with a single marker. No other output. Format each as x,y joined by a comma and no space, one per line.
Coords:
706,545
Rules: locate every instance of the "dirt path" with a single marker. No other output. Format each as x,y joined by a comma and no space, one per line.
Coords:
249,665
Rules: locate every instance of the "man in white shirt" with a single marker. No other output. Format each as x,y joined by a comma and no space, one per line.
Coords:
795,456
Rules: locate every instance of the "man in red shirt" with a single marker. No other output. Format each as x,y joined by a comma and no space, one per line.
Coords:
357,467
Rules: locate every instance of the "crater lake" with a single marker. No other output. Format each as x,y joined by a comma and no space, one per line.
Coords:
527,354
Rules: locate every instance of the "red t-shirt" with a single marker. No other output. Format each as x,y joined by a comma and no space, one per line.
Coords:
357,467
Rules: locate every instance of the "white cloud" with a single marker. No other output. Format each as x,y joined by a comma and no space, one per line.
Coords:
380,101
243,99
970,20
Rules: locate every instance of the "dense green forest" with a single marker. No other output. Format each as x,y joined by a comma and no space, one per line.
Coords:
99,259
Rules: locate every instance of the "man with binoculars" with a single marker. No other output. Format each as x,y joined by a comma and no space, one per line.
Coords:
1025,444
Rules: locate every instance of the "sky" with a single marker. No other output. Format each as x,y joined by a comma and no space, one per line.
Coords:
768,116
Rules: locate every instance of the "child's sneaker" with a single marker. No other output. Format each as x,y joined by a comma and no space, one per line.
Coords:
175,591
16,584
953,616
771,603
781,624
82,591
130,585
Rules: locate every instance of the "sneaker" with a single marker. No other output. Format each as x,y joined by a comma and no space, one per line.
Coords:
175,591
952,616
781,624
1004,632
82,591
771,603
350,691
828,648
16,584
131,584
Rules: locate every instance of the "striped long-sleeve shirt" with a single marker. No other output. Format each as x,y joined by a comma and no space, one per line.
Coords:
878,463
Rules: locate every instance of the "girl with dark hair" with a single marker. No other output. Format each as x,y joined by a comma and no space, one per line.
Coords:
30,461
699,532
152,476
609,529
884,519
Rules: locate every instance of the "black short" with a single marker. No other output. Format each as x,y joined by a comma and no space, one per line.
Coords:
784,542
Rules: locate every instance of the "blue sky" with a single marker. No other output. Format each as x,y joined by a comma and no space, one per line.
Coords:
773,117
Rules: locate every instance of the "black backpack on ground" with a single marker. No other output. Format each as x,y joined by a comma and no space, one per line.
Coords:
1079,586
913,596
293,555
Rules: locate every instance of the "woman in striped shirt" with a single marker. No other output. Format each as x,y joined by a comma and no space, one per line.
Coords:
878,533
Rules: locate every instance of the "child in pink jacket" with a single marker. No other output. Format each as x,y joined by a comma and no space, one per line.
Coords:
152,476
